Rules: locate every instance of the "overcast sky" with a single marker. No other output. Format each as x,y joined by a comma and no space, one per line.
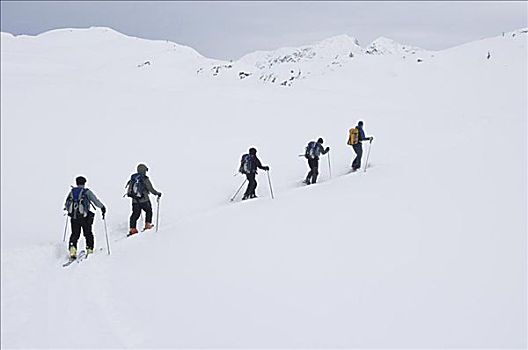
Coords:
227,30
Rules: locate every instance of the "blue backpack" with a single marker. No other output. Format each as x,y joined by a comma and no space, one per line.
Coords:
247,164
136,186
77,204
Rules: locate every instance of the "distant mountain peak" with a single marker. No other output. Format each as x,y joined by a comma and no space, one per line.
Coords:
386,46
342,39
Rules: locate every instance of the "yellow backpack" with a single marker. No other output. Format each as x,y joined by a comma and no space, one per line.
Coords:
353,137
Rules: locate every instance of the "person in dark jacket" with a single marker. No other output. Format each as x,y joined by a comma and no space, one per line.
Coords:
358,148
143,202
78,204
313,152
248,166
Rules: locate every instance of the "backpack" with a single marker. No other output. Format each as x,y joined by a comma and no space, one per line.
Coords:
136,186
77,204
246,164
353,137
311,150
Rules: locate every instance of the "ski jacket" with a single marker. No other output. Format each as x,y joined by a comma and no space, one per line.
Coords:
361,135
89,195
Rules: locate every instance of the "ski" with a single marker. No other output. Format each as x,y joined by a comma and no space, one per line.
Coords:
69,262
80,257
126,236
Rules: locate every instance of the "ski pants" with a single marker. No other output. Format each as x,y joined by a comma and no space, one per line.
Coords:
85,224
358,148
314,170
252,184
136,213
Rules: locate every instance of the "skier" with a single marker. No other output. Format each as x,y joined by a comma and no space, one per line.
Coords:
139,188
248,166
78,204
356,136
313,151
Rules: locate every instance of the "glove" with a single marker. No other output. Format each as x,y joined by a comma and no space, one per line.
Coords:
266,168
327,149
371,138
103,211
159,194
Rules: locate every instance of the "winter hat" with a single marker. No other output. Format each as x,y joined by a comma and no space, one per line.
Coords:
360,123
142,168
320,140
252,151
80,180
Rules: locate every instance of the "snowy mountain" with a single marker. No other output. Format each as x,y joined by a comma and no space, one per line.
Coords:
287,66
384,46
426,249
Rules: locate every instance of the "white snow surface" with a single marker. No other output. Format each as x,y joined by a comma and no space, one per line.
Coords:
426,249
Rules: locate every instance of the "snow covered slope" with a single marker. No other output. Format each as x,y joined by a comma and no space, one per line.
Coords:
425,249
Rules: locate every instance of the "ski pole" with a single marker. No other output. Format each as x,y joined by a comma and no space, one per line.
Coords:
368,154
269,181
106,234
233,198
157,213
329,166
65,229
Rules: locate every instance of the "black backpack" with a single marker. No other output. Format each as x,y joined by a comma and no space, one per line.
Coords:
247,164
311,150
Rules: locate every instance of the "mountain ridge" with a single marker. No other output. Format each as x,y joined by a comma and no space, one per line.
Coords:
284,66
335,38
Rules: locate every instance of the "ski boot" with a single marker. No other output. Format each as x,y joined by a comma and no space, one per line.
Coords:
253,196
246,196
89,251
148,226
73,252
132,231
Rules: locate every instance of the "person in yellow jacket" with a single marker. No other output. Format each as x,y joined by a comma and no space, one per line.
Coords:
356,136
